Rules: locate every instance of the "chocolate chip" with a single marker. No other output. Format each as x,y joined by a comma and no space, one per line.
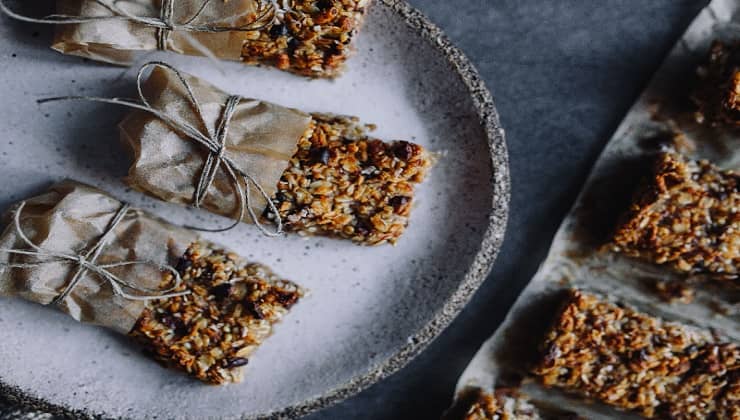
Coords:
334,49
320,155
404,150
363,227
221,291
175,324
235,362
293,45
716,229
281,197
375,148
252,308
279,30
398,202
324,4
720,194
287,299
183,264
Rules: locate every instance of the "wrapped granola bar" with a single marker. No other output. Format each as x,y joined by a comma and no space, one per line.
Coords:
307,37
634,313
191,304
312,174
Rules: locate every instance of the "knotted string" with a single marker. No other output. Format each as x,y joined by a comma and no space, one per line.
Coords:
87,262
164,24
213,142
165,15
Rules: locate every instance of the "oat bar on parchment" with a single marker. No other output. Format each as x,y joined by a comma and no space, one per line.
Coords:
634,361
687,216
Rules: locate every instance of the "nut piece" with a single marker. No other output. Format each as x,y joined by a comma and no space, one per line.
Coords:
717,96
686,216
633,361
344,184
307,37
211,332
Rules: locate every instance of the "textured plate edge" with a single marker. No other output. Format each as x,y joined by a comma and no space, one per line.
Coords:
476,275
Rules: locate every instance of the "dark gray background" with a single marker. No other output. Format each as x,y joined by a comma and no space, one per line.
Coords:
563,74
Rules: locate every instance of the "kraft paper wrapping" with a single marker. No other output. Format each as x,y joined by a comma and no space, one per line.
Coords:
262,138
117,41
577,258
70,218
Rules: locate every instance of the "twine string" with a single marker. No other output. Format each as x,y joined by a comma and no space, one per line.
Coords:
166,15
164,24
87,262
213,142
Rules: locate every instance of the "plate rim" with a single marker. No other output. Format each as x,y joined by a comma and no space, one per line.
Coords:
475,276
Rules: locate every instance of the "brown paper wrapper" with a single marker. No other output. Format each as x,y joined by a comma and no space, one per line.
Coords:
70,218
117,41
261,140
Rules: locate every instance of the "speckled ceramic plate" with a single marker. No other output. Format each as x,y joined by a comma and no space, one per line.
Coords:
370,311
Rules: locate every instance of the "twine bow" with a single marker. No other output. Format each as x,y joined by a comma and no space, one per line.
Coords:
88,262
213,142
164,24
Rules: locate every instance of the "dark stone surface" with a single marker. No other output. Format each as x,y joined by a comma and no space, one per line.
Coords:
563,74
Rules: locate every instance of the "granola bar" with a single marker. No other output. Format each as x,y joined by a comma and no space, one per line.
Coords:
211,332
344,184
717,96
502,404
309,37
686,216
634,361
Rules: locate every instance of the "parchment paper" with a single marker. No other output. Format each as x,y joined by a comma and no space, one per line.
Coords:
117,41
70,218
577,259
261,140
